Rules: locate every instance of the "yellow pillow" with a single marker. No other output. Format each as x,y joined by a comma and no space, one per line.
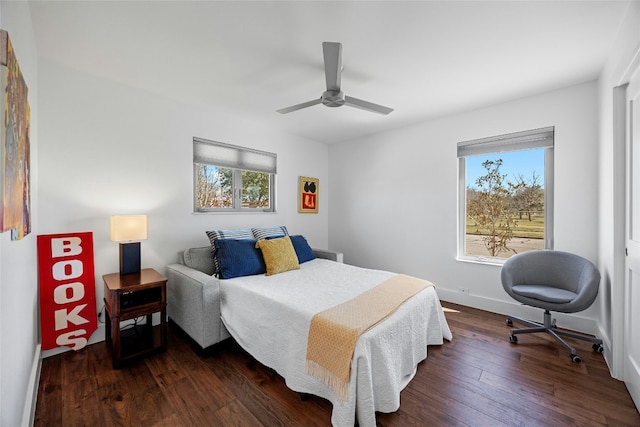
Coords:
279,255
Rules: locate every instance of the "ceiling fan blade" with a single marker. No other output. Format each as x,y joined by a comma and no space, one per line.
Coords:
366,105
332,64
299,106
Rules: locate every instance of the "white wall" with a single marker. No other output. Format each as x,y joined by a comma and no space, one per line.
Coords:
394,195
110,149
611,189
19,350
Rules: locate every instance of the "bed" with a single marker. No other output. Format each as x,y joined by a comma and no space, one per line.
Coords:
269,315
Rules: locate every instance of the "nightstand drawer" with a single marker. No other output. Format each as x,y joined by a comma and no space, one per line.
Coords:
131,299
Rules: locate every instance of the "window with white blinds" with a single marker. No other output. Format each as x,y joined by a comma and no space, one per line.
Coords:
505,195
231,178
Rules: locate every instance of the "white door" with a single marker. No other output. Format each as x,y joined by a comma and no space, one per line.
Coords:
632,266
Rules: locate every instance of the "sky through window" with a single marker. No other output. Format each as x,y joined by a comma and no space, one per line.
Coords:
514,164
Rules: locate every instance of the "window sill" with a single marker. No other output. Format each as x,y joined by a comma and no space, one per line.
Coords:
498,262
232,212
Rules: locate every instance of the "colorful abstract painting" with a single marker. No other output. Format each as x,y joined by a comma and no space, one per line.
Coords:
308,200
15,211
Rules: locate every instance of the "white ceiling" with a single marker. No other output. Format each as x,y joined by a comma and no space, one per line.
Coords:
425,59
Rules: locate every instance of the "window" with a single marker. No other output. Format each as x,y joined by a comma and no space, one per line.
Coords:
228,178
505,195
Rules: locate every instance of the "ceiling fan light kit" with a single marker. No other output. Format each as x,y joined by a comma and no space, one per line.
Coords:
333,96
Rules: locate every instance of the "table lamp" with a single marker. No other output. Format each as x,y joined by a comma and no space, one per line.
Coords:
128,230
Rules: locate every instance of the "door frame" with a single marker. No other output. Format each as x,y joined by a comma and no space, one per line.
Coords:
619,282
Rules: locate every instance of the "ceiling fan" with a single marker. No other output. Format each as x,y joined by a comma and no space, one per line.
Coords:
333,96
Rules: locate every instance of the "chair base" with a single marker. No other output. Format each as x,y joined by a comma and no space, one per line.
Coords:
550,327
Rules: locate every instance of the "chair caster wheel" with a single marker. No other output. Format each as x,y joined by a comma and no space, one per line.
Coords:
598,347
509,322
575,358
513,339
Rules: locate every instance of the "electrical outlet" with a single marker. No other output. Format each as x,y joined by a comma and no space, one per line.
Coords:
464,291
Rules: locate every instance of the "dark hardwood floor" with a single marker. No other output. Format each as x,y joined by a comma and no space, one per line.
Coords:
478,379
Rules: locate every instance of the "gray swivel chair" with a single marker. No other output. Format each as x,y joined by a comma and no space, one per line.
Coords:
554,281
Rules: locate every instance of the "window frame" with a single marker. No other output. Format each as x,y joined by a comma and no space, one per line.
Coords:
238,159
543,138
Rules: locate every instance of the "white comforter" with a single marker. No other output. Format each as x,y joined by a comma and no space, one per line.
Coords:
269,316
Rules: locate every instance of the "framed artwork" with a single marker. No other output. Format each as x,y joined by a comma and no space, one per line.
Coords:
15,209
308,190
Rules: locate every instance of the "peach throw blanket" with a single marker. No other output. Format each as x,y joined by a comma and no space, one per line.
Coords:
333,333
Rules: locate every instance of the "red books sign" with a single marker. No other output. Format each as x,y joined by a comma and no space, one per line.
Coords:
67,290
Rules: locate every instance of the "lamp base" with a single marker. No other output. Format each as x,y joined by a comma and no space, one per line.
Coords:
130,258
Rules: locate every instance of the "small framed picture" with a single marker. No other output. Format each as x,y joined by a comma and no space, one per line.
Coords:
309,189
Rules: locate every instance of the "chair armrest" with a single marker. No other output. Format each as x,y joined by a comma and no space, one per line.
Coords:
193,303
327,254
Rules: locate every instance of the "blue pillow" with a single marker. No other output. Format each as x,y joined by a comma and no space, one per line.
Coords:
239,257
214,235
302,249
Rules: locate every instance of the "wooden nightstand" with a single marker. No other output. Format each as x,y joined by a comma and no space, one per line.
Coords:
131,296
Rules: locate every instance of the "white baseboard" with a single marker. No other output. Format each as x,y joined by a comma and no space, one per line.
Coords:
96,337
574,321
29,412
608,350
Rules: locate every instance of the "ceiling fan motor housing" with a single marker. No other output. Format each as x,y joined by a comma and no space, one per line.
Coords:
333,98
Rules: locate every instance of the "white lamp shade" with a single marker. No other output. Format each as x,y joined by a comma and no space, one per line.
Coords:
127,228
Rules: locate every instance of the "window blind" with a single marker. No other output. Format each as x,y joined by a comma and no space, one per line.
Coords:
232,156
536,138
